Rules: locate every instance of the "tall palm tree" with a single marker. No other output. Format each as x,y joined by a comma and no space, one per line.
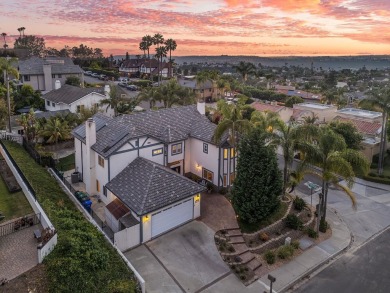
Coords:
5,42
148,40
171,46
55,129
201,78
380,99
20,32
329,152
161,52
113,101
245,69
223,86
233,123
6,65
158,40
143,47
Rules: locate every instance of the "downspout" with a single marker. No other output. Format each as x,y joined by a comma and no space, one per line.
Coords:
82,162
219,166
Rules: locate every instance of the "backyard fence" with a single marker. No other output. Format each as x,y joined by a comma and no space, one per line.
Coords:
20,224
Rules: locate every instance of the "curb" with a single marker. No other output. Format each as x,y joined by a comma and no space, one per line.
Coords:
331,258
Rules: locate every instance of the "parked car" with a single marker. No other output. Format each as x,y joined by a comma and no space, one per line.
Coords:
102,76
123,79
88,73
95,75
122,84
132,87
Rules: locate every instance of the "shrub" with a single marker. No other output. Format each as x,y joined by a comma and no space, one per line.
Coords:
373,174
285,251
243,277
264,237
323,226
312,233
295,244
231,249
381,176
270,257
223,190
299,204
293,222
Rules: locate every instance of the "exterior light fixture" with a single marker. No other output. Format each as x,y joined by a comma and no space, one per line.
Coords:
197,198
145,219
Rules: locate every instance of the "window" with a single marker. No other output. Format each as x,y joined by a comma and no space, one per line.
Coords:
224,180
53,76
225,153
59,75
48,103
157,152
208,175
232,153
96,105
205,148
80,108
97,186
232,177
53,104
101,161
26,77
104,190
176,149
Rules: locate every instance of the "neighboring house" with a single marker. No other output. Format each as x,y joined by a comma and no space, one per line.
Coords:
137,163
41,73
74,98
368,123
207,90
137,67
325,113
285,113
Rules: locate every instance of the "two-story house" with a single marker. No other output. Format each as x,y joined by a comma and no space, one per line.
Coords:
144,66
42,73
137,163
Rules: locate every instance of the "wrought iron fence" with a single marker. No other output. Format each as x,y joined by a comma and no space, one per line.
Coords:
20,224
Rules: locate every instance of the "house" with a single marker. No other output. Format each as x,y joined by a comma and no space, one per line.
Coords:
137,163
138,67
285,113
74,99
206,90
42,73
369,124
325,113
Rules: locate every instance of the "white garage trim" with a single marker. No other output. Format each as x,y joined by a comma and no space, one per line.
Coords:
172,217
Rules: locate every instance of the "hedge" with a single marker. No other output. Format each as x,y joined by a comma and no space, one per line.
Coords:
377,179
83,260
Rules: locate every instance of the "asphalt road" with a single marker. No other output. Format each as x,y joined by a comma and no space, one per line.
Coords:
365,270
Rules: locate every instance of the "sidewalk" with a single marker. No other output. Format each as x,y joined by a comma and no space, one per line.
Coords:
314,257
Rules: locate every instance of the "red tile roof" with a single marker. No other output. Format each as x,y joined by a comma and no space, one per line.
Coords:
266,107
371,128
301,113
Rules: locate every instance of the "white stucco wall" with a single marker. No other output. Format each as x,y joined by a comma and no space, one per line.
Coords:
176,157
78,157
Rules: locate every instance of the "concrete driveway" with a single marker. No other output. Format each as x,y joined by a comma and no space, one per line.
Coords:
183,260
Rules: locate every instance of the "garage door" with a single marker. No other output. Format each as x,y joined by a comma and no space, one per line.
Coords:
172,217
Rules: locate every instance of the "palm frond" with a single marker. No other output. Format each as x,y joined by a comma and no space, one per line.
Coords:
349,193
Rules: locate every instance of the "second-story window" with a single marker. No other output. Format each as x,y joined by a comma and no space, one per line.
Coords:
176,149
48,103
101,161
156,152
205,148
26,77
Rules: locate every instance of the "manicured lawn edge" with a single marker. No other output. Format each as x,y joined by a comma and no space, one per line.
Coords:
83,261
377,179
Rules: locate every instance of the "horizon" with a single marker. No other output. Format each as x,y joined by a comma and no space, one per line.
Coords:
266,28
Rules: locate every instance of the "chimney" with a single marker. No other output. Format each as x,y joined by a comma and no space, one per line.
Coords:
48,80
201,107
107,91
90,132
57,85
89,174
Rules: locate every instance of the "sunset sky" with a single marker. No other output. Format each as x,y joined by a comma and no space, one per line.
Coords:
207,27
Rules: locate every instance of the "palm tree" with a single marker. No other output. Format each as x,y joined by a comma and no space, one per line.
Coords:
380,99
158,40
5,42
232,122
171,46
56,129
245,69
329,152
148,40
151,94
160,53
266,121
310,119
20,32
172,93
223,86
113,101
201,78
144,47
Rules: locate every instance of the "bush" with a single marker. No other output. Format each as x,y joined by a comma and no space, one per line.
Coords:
323,226
372,174
285,251
231,249
312,233
270,257
381,176
223,190
295,244
377,179
299,204
293,222
264,237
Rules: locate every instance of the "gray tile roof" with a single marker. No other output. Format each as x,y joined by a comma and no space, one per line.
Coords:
68,94
167,125
145,186
101,121
59,65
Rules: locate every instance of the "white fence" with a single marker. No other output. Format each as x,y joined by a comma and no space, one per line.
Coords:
47,248
127,238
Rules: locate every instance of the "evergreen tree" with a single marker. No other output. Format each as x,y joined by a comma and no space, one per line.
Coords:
259,181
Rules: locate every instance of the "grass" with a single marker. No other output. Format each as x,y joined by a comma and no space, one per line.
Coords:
83,260
67,163
253,227
13,205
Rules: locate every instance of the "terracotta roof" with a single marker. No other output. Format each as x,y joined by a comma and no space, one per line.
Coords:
300,113
117,208
371,128
266,107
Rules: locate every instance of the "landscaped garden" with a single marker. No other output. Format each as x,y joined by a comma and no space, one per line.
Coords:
83,260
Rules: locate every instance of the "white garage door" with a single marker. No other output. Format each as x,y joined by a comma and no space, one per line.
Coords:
172,217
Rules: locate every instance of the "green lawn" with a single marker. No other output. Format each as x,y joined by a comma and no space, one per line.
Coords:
13,205
253,227
66,163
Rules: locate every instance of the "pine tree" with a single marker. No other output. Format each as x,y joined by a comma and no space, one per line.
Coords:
259,181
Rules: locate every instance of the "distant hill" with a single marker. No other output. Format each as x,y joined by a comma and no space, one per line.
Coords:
324,62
